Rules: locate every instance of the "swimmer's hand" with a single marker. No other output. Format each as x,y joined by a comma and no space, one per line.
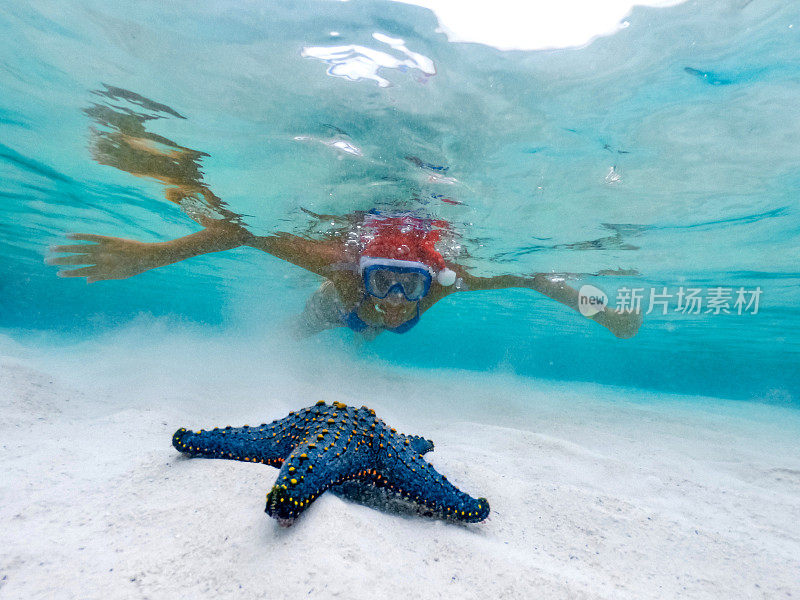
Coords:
106,257
624,325
117,258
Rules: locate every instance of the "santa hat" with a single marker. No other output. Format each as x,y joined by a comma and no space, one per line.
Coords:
408,239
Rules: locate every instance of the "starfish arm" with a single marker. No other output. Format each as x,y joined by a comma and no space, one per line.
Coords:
405,471
329,456
418,443
269,443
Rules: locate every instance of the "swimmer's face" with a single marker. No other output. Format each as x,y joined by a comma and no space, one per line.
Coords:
395,309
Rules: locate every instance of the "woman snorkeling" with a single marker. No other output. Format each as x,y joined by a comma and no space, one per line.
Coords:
382,274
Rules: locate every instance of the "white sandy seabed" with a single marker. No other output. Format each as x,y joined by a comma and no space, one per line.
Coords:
595,492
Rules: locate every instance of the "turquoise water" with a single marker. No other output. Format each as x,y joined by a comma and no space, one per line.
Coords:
664,155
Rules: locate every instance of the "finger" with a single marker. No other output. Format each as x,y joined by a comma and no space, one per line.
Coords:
81,248
83,272
71,259
90,237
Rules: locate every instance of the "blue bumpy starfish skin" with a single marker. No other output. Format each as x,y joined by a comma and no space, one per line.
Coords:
323,446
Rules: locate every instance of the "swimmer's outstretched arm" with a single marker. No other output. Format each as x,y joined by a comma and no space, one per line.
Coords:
108,257
317,256
622,325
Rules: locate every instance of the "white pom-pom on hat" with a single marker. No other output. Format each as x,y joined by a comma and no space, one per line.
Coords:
446,277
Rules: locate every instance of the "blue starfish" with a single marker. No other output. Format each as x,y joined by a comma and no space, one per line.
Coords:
323,447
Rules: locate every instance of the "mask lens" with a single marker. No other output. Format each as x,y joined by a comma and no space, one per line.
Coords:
380,282
413,285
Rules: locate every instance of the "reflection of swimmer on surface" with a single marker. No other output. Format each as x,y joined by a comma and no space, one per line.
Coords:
381,274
